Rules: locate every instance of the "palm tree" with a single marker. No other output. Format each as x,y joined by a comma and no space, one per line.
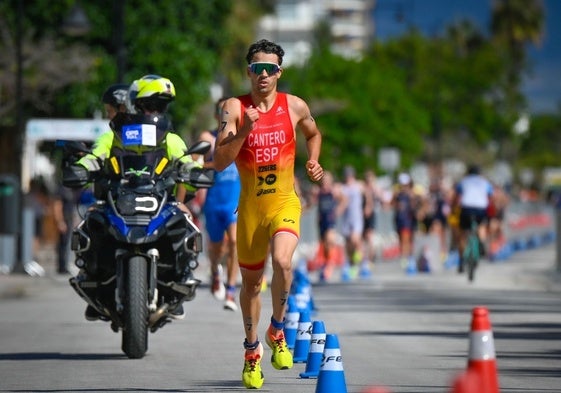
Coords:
514,24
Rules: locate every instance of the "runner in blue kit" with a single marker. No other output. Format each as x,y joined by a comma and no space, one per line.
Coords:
220,211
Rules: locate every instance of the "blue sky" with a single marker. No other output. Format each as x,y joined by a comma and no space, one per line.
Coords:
542,87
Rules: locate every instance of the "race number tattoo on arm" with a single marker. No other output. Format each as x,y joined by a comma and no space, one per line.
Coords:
223,122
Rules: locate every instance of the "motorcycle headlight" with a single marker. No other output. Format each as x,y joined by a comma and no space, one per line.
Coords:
130,203
126,204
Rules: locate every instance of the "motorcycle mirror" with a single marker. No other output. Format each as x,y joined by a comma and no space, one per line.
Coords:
201,147
71,147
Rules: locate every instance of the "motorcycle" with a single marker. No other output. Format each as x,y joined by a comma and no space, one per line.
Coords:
136,250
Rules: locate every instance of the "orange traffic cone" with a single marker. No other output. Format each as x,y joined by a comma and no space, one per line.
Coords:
467,382
482,351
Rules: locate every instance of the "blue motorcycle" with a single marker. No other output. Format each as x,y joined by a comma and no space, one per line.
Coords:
135,248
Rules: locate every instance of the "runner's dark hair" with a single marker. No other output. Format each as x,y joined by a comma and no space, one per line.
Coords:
264,46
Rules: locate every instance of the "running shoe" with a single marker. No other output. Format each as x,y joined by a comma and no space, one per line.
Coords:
353,272
230,303
252,376
281,359
217,286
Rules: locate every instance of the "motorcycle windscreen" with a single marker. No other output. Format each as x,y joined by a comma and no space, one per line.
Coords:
140,165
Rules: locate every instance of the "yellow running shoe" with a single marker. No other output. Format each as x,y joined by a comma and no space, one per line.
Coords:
252,376
281,359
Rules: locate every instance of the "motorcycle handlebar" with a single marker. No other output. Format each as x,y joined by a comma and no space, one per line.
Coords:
199,178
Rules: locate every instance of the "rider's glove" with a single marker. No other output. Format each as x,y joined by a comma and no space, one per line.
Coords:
185,171
75,176
90,162
186,167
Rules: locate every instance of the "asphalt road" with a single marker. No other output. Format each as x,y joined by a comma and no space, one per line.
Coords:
408,333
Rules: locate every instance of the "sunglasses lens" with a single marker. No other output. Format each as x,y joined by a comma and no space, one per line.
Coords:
258,68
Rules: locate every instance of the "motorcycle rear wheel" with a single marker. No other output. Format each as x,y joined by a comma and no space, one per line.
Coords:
135,313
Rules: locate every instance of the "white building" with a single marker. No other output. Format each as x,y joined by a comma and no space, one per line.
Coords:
294,21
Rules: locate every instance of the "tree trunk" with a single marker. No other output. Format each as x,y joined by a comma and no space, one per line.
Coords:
10,151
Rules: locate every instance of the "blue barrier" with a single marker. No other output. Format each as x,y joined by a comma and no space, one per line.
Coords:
525,225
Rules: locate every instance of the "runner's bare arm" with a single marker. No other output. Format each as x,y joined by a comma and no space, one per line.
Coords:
229,140
307,125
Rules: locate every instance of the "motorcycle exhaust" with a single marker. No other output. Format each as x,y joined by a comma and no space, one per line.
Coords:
161,316
157,315
185,291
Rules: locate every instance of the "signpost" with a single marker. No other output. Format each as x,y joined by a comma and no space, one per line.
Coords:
389,159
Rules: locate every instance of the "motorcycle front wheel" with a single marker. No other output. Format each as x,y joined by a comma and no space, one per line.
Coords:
135,317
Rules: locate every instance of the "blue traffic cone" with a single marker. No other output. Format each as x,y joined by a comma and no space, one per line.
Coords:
303,296
302,290
453,260
346,273
291,319
331,378
507,250
298,278
549,236
303,337
411,268
364,272
317,343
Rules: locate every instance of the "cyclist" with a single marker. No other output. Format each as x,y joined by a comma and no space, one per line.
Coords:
473,193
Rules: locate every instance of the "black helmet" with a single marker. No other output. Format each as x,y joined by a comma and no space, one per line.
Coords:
473,169
115,95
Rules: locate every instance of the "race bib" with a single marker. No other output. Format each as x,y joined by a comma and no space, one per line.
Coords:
139,134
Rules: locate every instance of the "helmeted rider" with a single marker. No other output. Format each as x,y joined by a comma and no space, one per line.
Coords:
146,100
147,97
151,96
114,99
